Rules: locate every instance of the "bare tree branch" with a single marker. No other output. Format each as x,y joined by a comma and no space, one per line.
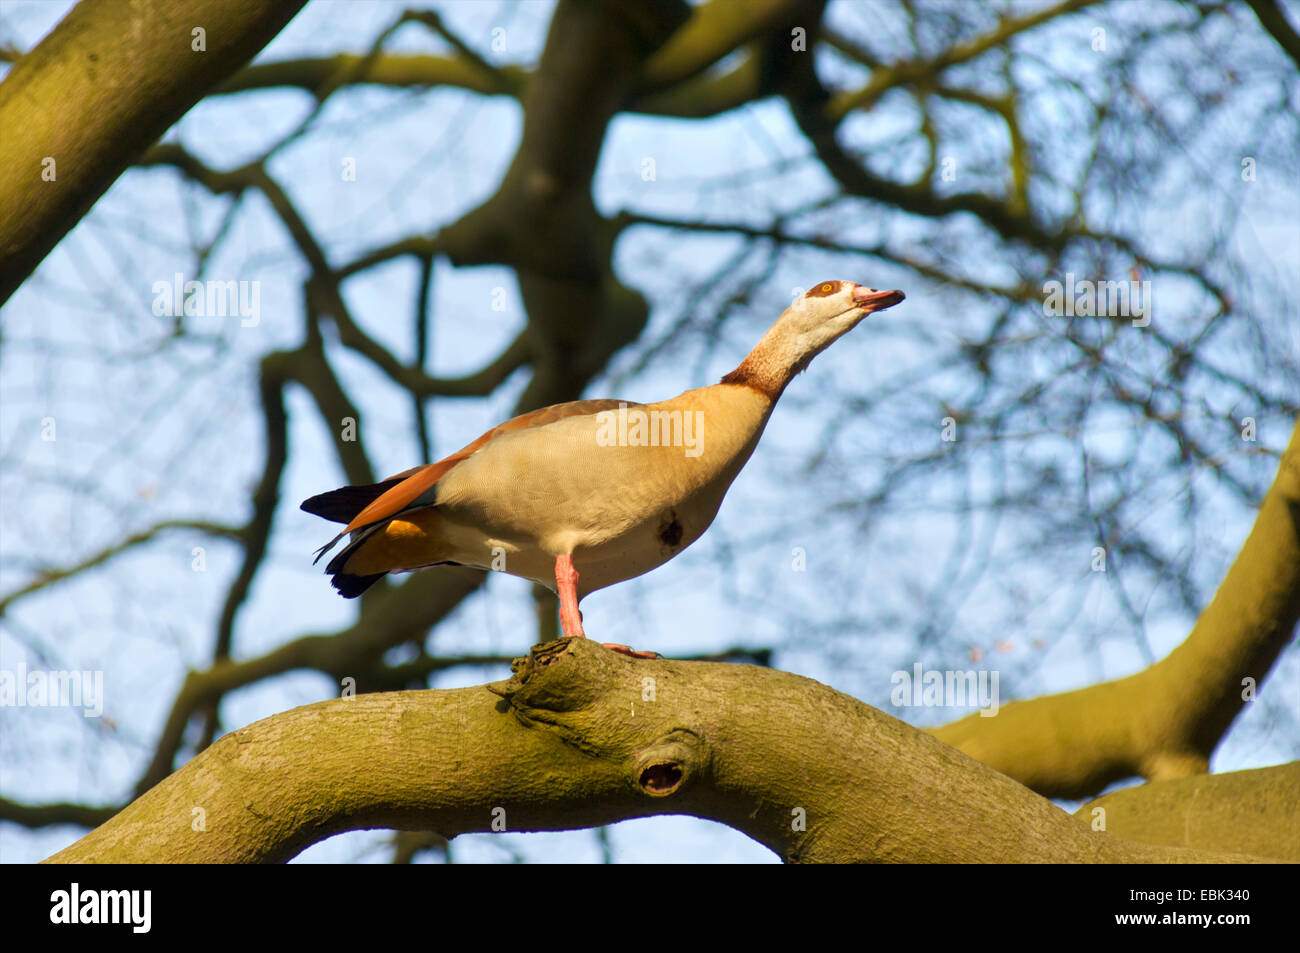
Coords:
48,577
1250,812
572,740
1272,19
95,93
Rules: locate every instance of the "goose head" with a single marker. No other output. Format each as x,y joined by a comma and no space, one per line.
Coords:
825,312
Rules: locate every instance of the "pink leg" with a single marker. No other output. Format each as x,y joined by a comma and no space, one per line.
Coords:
566,579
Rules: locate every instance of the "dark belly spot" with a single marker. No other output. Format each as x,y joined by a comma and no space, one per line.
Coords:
670,531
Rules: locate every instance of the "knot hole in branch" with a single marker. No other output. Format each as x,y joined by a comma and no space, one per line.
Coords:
661,779
669,764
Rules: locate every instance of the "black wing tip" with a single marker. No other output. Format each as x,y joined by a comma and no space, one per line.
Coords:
343,504
315,504
350,586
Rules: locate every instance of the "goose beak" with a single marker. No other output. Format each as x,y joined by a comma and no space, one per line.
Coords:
874,300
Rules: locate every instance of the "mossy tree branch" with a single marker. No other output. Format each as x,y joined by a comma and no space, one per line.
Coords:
94,94
1252,812
580,736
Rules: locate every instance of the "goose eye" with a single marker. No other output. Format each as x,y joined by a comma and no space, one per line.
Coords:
827,288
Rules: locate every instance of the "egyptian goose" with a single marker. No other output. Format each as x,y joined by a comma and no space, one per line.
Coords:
581,495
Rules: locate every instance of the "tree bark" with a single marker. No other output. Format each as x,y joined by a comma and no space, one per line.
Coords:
1253,812
580,736
93,95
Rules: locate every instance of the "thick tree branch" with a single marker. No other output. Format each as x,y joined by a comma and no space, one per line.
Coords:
581,736
715,30
1249,812
1275,22
107,81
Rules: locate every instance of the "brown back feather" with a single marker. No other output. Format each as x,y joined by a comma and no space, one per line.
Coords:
362,506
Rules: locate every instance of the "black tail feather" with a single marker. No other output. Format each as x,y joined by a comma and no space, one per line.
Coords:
350,586
341,505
